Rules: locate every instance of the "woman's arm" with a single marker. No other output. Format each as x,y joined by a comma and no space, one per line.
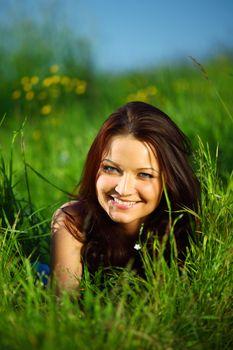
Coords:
66,254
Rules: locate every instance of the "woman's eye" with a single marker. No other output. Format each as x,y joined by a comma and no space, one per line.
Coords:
145,176
109,169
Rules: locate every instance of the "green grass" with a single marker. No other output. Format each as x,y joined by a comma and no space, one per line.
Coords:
167,310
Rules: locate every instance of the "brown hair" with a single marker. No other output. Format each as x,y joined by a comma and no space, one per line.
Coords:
103,243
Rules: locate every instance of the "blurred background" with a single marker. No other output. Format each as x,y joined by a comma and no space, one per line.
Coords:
65,65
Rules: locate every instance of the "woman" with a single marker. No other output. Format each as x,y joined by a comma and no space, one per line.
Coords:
137,178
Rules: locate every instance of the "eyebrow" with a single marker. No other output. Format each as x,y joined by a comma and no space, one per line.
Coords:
116,164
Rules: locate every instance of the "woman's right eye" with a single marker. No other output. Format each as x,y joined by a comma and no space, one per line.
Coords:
109,169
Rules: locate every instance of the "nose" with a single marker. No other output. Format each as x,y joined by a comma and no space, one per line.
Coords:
125,185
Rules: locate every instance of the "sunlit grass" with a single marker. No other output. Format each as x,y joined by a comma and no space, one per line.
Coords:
42,158
168,309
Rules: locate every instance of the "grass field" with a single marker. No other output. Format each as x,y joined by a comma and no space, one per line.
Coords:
43,147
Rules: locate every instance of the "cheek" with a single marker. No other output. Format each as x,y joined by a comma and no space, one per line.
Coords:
151,191
105,183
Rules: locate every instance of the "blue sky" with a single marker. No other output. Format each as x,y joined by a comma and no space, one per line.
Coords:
131,33
127,34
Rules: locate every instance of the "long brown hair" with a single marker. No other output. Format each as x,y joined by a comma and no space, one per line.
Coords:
103,243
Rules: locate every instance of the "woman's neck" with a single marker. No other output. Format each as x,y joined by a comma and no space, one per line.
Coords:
125,239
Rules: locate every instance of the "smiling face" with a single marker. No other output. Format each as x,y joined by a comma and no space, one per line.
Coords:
129,185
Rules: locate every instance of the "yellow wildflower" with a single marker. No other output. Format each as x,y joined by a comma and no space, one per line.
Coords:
152,90
27,87
34,80
29,95
46,109
56,79
48,81
16,94
54,68
81,87
140,95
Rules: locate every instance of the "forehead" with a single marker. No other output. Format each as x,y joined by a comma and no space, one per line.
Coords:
127,147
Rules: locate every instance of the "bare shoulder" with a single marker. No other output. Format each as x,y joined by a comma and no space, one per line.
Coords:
65,225
68,211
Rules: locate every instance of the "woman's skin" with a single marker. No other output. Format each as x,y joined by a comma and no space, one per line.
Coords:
128,188
128,183
66,253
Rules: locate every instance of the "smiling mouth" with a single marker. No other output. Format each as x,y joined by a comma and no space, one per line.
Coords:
127,204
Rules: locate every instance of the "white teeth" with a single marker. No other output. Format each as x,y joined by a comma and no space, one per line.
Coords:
126,203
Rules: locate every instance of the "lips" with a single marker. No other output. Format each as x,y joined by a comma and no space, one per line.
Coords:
123,203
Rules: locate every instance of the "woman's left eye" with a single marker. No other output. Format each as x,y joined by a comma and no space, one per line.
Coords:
145,175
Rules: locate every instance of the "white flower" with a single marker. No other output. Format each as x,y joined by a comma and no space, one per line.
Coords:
137,246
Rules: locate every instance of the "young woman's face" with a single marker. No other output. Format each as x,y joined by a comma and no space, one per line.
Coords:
129,185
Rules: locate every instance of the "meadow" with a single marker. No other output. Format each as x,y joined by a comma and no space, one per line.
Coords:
48,121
